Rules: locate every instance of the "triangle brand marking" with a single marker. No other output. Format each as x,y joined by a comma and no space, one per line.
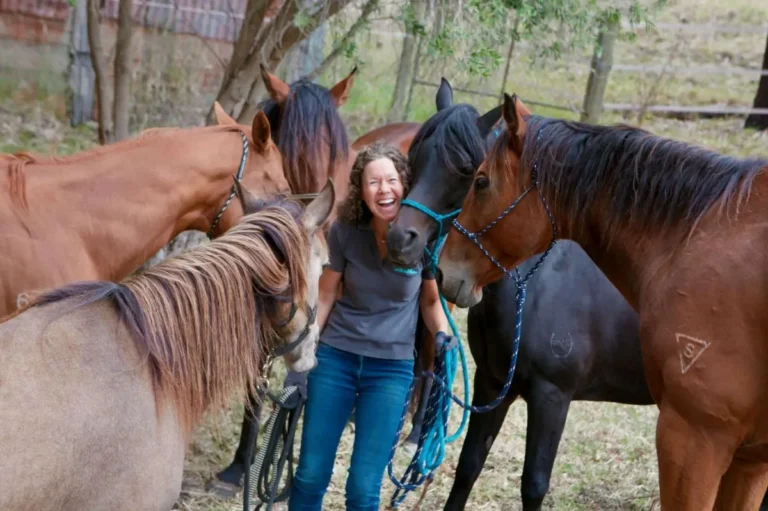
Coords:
690,349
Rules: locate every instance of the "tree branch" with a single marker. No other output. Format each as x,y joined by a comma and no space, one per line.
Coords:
369,7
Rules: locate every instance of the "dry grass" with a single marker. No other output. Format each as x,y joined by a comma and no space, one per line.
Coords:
606,458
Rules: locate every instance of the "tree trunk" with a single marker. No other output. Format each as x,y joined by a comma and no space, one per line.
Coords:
397,108
271,45
760,121
122,103
103,97
251,29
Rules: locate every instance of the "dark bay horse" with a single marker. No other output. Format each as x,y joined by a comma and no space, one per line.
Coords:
680,231
310,134
580,337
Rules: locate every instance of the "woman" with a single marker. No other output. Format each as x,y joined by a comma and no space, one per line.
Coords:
365,358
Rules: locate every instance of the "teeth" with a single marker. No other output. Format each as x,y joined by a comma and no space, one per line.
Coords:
386,202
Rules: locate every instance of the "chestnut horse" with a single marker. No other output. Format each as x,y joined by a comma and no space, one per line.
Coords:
312,139
102,213
677,230
126,370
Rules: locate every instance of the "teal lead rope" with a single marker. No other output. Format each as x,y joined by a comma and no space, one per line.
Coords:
430,451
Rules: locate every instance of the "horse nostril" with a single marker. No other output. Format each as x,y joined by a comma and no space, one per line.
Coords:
411,235
439,277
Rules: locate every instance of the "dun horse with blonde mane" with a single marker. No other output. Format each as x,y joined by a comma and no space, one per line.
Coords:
125,371
681,232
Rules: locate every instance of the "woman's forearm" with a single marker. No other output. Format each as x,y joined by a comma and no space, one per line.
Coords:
434,317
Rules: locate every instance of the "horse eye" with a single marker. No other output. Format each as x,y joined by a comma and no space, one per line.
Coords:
481,183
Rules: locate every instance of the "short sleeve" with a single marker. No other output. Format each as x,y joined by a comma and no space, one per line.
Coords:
426,272
336,245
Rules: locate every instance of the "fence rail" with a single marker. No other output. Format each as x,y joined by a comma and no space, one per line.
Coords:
601,66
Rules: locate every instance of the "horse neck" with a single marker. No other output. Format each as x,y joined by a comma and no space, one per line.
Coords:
127,203
628,258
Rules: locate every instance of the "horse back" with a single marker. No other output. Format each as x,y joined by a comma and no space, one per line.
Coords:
79,422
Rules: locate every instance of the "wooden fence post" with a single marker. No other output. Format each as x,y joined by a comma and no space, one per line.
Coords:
81,74
602,61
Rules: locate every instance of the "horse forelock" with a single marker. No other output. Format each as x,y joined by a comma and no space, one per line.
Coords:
459,144
651,184
204,319
306,127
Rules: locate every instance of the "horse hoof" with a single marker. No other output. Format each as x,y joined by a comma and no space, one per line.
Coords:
228,482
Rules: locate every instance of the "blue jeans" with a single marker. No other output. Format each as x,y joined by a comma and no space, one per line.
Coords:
377,389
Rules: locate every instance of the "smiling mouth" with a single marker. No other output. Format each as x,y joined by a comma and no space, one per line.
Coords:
386,202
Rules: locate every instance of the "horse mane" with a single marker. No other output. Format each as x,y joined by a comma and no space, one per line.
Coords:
650,182
202,319
460,146
17,162
307,120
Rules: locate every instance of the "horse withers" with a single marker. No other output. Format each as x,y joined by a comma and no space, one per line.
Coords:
679,230
124,371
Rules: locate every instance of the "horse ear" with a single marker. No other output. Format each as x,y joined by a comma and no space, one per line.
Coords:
488,120
222,117
318,211
261,131
444,96
340,91
514,110
278,89
250,203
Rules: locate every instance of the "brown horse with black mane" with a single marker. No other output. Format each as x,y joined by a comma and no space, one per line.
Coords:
125,371
681,232
312,139
102,213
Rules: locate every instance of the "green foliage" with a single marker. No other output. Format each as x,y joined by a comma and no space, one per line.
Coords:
472,33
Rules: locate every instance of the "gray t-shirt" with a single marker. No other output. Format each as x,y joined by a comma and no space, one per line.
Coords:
377,313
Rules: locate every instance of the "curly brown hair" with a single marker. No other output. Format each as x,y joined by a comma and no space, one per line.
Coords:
354,209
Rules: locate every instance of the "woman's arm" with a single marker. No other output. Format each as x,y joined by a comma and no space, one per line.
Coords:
328,289
432,309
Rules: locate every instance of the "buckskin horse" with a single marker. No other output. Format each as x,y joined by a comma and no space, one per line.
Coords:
101,213
312,139
126,370
580,337
679,230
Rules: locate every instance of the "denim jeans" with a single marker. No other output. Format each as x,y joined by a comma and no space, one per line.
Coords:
377,389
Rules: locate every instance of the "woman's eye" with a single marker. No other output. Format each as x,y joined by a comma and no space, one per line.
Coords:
481,182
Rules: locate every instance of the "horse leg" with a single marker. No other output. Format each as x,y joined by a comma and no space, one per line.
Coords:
229,480
482,431
743,485
547,412
692,461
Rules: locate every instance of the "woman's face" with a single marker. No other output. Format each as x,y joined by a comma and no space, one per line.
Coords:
382,189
